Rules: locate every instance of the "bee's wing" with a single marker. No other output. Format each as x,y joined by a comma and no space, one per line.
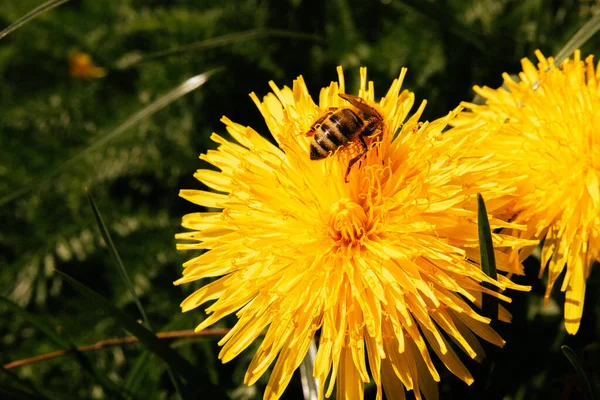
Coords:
359,103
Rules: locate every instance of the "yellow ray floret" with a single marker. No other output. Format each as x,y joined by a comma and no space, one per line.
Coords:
545,129
380,270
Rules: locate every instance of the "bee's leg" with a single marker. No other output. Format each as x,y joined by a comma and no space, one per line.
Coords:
378,145
358,157
377,137
376,141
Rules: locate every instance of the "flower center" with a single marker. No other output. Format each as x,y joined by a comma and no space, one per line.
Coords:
348,221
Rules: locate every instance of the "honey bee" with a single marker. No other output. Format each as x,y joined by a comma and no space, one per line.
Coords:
338,127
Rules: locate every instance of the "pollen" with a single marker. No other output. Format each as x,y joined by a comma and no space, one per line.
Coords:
348,222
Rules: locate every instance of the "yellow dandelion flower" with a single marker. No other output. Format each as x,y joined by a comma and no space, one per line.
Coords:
379,270
546,130
81,66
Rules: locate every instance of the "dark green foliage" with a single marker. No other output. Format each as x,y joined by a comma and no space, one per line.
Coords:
54,337
173,359
150,47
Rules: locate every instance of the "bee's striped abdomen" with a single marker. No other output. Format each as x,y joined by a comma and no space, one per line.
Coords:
337,130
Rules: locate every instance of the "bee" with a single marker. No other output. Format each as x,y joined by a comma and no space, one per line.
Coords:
338,127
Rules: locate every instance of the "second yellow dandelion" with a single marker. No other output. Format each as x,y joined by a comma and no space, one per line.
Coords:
545,129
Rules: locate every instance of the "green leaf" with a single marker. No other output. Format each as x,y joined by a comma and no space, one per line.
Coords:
488,261
178,364
583,378
63,343
186,87
36,12
582,35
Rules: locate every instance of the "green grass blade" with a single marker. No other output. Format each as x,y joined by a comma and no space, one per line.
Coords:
63,343
177,363
253,34
123,272
39,323
445,17
114,254
343,12
135,377
186,87
36,12
582,35
177,385
583,377
488,260
135,374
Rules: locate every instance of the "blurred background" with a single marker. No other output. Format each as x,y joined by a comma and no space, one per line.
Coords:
72,77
